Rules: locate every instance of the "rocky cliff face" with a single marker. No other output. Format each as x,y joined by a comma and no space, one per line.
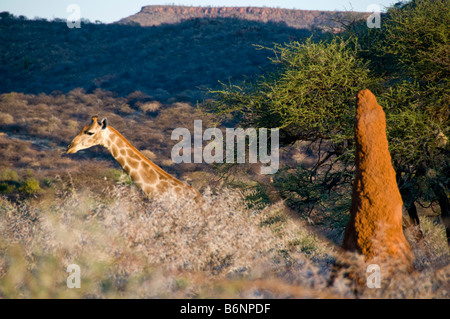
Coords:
299,19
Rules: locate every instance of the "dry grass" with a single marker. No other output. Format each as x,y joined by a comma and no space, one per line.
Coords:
127,240
130,247
6,118
36,129
88,213
150,107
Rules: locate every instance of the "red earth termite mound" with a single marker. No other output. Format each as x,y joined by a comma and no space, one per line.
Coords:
375,225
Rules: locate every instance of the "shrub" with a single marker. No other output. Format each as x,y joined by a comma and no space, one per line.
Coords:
6,118
9,175
150,107
149,154
117,176
417,37
30,187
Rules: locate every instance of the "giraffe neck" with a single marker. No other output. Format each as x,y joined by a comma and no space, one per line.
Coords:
145,174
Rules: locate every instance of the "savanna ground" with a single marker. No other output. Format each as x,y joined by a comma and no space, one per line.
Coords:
255,236
58,210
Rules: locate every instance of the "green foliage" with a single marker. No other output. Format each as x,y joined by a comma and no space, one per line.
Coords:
306,244
310,95
117,176
256,197
313,81
30,187
410,52
7,188
417,128
417,35
320,196
9,175
167,60
10,183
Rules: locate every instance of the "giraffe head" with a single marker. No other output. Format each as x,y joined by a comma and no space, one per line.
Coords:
89,136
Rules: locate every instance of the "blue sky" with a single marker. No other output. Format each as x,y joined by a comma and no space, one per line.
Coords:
113,10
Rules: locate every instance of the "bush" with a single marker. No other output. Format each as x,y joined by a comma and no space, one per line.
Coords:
9,175
30,187
417,37
6,118
150,107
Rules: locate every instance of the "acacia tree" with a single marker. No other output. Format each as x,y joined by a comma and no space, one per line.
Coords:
310,95
417,38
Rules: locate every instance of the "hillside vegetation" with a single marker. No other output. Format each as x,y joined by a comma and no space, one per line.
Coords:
168,61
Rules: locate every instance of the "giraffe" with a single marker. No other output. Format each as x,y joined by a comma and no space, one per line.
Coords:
148,176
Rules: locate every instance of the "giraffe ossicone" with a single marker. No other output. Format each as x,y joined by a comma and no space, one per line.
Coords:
148,176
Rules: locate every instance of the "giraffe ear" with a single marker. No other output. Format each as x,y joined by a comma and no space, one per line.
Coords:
104,123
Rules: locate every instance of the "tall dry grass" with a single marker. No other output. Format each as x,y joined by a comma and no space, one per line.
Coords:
130,247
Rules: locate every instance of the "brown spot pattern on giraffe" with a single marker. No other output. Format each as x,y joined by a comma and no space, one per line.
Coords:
148,176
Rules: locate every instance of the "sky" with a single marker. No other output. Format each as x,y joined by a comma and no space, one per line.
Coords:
113,10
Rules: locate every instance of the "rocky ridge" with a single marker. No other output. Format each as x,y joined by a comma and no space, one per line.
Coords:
300,19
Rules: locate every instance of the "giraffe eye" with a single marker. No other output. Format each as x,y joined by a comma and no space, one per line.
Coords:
90,133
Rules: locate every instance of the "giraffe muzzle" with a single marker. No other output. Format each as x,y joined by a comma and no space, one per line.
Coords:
71,149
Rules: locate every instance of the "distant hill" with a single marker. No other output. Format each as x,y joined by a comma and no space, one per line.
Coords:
188,49
300,19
